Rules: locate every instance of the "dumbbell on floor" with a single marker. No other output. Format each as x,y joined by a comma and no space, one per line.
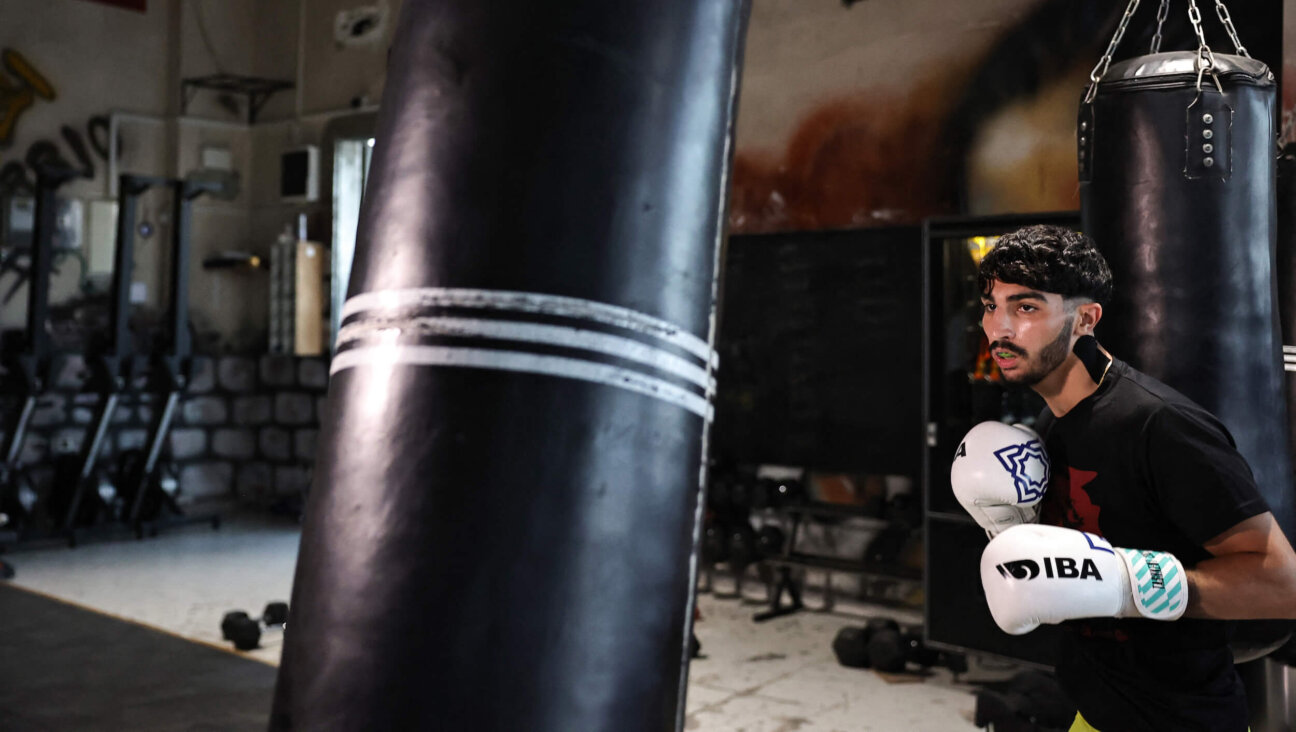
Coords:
891,650
851,646
245,631
884,646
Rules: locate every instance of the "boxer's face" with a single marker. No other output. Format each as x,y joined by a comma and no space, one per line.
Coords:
1031,333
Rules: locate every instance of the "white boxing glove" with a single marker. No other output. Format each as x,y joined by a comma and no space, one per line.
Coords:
999,475
1046,574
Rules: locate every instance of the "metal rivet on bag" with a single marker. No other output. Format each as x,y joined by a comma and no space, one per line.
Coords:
1208,148
1207,118
1207,134
1084,126
1208,162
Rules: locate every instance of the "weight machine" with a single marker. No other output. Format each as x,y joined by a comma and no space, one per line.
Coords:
28,361
138,496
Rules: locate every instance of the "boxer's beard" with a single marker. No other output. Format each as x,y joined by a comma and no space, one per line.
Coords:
1049,358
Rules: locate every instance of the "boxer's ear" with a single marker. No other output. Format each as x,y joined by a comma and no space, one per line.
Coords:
1087,316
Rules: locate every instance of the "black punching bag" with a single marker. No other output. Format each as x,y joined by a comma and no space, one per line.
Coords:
502,531
1177,177
1286,270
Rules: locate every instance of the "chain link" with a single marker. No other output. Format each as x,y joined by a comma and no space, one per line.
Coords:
1205,58
1194,16
1222,11
1162,13
1101,69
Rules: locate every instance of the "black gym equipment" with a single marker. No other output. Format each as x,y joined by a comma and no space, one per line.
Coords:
1177,171
245,631
893,650
1285,258
491,515
86,496
148,493
883,645
851,644
28,361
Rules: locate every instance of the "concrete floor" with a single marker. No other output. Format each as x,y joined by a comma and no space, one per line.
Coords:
778,676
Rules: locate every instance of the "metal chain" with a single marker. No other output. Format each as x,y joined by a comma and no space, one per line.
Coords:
1162,13
1194,16
1227,20
1205,59
1101,69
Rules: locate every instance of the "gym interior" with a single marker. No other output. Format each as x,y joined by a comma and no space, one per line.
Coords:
440,364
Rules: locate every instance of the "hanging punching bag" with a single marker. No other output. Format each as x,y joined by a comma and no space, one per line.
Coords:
1176,154
502,532
1286,276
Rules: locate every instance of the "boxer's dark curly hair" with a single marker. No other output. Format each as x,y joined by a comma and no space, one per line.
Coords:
1049,259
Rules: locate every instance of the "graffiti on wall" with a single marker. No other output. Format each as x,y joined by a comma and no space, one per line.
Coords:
20,86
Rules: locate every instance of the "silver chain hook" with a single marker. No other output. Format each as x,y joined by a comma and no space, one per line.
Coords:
1205,58
1162,13
1101,69
1222,11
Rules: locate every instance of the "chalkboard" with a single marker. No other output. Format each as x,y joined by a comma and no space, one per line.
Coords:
820,346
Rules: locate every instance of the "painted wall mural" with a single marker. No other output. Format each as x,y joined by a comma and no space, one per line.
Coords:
933,108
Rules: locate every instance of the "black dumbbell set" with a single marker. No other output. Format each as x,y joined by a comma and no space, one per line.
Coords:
245,631
883,645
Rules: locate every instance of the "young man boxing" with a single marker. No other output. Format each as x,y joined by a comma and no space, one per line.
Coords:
1151,532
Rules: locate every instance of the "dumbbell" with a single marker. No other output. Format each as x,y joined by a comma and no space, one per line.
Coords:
245,632
851,646
891,649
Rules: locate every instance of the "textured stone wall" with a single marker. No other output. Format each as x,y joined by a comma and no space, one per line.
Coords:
245,429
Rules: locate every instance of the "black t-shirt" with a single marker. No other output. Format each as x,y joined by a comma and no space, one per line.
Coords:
1141,465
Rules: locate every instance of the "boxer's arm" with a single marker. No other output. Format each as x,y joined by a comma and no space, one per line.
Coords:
1251,576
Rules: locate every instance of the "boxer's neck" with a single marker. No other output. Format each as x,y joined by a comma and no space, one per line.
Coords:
1067,385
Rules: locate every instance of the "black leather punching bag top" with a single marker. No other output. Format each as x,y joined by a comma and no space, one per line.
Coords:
1177,183
502,530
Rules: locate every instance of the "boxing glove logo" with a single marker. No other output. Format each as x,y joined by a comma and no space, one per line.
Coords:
1022,569
1059,567
1028,465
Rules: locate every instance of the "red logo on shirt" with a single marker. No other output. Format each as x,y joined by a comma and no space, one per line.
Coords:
1069,503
